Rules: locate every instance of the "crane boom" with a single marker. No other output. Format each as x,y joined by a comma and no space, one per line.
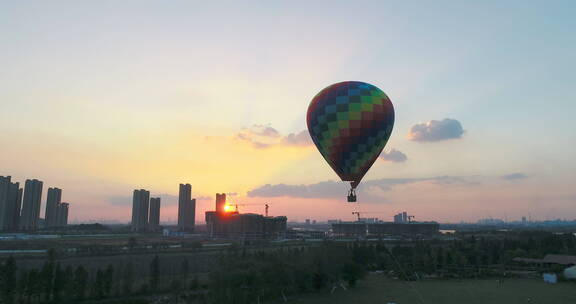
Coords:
254,204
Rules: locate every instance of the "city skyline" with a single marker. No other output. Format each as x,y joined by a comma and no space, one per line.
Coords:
167,94
20,208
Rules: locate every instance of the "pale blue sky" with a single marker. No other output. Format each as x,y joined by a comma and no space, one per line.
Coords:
111,76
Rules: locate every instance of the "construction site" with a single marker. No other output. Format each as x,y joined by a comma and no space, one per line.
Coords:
227,222
403,225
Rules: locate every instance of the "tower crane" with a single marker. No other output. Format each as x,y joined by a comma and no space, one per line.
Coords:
255,204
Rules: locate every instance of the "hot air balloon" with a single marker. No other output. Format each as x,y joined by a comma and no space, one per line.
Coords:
350,123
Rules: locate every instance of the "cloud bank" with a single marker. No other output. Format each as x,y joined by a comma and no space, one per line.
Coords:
435,130
333,189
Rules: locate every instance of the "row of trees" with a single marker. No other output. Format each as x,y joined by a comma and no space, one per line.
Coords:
257,277
267,275
254,276
53,283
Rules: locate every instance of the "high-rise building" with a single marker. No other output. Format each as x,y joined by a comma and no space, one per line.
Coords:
10,201
184,198
52,204
61,215
154,219
220,202
186,208
13,211
17,208
31,205
140,204
5,186
192,215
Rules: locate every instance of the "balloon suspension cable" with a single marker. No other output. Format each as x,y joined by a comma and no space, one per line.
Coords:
354,184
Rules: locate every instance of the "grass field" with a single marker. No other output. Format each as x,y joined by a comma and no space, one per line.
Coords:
378,289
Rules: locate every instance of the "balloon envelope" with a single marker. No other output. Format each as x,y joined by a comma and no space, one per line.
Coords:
350,123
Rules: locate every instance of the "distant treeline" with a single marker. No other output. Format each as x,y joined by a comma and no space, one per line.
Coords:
88,227
248,275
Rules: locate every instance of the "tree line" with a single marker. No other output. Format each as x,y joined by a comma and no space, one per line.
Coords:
245,275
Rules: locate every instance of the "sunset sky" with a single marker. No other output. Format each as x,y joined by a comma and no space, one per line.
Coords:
102,97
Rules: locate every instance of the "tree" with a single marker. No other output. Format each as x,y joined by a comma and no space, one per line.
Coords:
32,285
108,280
194,283
351,272
21,286
154,273
99,285
68,291
128,278
8,280
47,279
59,283
132,243
185,269
80,282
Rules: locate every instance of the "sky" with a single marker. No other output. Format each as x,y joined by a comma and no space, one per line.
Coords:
103,97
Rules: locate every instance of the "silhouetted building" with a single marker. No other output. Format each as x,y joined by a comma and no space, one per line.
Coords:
31,205
186,208
402,217
154,220
349,229
220,203
381,229
53,200
140,205
17,208
414,228
10,201
222,223
5,185
369,219
249,225
61,218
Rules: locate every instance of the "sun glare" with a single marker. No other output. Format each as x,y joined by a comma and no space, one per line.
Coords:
227,208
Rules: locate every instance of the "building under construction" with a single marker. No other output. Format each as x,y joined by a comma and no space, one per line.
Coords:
227,223
383,229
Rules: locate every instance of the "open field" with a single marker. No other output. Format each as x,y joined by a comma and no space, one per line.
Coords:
378,289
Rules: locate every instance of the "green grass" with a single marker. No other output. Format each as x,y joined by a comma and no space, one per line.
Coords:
378,289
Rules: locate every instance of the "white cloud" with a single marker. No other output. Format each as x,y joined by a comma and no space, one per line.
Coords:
436,130
393,155
262,137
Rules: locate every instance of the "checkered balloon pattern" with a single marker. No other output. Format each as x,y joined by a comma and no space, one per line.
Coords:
350,123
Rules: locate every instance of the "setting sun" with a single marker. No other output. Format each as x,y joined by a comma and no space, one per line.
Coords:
228,208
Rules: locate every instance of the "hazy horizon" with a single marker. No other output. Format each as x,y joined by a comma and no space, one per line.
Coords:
101,98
